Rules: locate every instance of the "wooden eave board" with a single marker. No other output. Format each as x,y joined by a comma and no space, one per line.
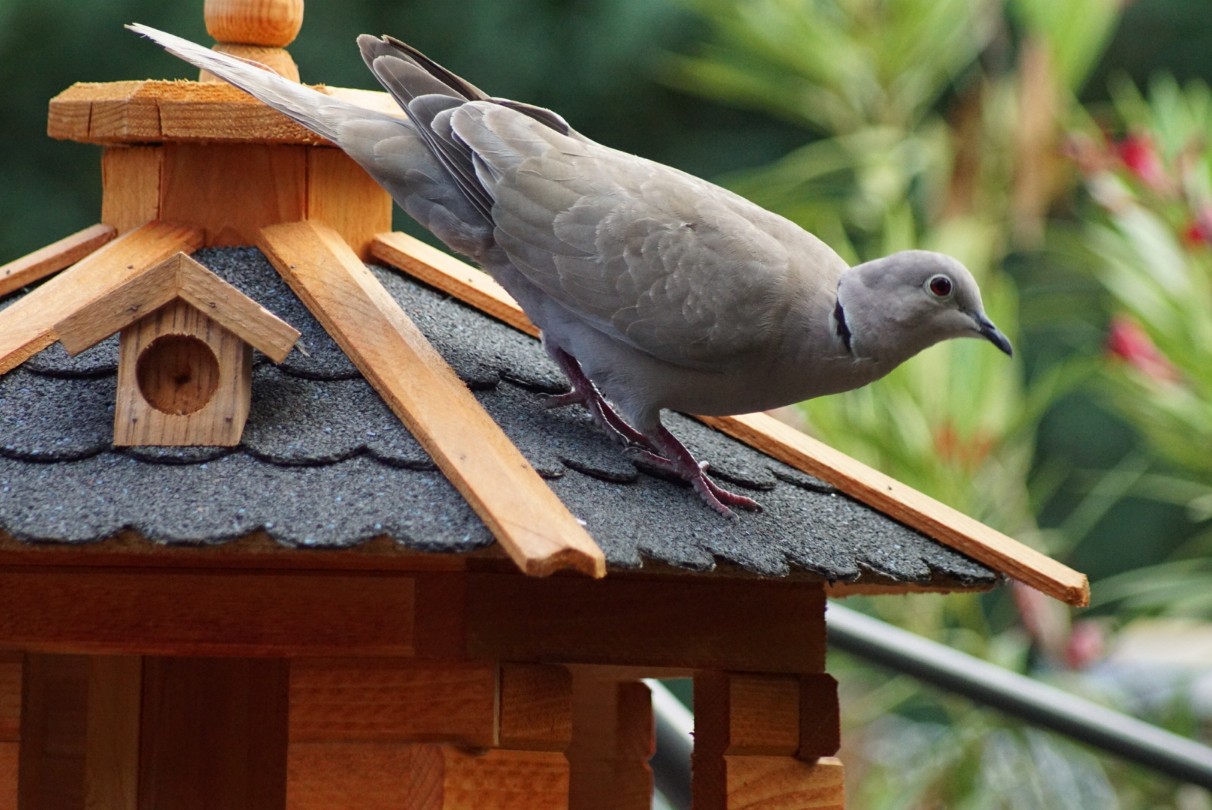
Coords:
154,111
27,326
865,484
52,258
528,520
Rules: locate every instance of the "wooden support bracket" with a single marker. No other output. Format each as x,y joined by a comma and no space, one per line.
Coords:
527,518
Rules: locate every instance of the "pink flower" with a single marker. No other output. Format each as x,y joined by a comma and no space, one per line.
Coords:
1140,156
1127,341
1198,232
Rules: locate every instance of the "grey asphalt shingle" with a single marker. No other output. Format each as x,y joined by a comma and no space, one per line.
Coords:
324,462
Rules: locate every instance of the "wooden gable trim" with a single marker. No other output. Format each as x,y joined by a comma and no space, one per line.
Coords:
27,326
865,484
54,257
178,276
529,521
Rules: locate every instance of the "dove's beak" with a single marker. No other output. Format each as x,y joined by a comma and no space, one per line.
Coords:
992,334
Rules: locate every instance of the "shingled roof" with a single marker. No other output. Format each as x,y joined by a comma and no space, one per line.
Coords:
325,464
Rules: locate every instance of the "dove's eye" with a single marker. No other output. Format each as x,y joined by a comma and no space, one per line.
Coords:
940,286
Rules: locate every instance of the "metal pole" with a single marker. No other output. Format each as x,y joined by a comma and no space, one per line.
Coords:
1019,696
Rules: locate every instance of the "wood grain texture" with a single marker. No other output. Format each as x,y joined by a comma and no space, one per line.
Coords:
529,521
907,505
343,196
781,783
750,625
613,740
27,325
231,191
130,185
182,380
143,112
254,22
504,780
360,700
250,613
387,776
535,711
780,441
213,734
111,760
54,257
54,732
746,714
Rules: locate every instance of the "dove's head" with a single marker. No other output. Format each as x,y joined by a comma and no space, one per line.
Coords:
898,305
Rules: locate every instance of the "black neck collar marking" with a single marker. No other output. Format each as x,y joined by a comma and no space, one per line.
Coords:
843,330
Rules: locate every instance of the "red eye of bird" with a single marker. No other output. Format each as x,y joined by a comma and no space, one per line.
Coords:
940,286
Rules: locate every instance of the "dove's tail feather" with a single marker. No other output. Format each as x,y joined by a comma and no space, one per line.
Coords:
318,112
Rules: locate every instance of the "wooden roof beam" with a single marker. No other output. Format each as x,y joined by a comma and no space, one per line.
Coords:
54,257
529,521
865,484
27,326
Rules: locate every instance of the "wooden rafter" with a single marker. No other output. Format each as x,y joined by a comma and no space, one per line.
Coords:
865,484
529,521
53,258
27,326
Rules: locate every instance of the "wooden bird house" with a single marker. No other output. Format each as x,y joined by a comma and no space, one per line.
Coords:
354,608
184,355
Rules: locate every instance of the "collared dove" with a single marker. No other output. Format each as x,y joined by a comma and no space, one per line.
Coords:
652,288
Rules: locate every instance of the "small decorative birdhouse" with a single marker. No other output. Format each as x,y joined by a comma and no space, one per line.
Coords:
184,355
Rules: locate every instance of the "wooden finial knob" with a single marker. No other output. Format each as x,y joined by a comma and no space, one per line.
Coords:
255,29
268,23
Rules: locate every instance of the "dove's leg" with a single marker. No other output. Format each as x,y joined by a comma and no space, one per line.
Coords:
584,392
679,460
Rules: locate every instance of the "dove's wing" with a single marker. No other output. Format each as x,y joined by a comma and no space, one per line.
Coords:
668,263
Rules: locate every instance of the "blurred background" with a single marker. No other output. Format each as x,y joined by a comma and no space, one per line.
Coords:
1060,149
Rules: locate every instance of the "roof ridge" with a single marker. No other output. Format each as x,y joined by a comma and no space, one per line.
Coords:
865,484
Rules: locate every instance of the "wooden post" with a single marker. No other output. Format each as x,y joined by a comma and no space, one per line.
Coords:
613,739
79,732
764,742
258,30
10,726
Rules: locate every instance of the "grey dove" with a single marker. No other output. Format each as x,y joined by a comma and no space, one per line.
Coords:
652,288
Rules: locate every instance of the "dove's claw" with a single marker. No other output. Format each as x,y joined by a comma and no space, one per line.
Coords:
675,458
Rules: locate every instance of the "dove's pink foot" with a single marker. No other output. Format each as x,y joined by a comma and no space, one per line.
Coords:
661,449
584,392
677,459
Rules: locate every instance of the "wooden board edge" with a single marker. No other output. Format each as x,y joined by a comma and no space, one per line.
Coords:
27,325
235,311
782,442
54,257
907,505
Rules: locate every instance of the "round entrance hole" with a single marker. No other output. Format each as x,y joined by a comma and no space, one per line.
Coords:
177,374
